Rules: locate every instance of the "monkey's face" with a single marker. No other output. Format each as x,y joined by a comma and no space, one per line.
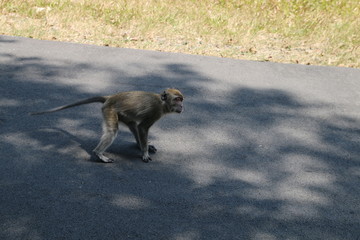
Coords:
177,105
174,99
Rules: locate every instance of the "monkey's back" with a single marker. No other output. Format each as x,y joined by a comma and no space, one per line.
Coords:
137,105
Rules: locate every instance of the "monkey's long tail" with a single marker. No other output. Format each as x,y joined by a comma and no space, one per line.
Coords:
85,101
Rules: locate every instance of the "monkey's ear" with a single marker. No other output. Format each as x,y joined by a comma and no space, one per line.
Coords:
164,96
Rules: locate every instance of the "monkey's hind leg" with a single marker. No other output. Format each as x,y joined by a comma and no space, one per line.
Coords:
110,129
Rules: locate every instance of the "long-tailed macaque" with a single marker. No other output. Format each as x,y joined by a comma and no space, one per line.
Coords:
138,110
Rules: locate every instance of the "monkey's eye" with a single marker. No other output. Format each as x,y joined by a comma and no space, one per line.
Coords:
178,99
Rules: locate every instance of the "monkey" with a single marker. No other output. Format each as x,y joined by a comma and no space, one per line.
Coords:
138,110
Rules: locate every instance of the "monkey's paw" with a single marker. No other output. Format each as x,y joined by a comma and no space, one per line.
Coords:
152,149
104,159
146,158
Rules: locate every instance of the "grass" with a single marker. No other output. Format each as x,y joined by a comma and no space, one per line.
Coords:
318,32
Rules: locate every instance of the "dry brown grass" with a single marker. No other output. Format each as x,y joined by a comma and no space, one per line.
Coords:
319,32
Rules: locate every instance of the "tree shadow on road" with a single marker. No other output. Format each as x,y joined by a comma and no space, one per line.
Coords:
252,164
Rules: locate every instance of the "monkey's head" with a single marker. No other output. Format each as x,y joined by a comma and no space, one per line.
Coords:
173,98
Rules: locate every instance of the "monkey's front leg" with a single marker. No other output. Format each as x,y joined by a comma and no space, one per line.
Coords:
143,142
135,131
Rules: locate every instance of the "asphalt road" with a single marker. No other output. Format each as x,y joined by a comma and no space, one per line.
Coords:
262,151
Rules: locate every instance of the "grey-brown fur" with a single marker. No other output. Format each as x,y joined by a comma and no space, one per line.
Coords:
138,110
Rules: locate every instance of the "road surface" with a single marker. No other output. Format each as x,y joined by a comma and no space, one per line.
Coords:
262,151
